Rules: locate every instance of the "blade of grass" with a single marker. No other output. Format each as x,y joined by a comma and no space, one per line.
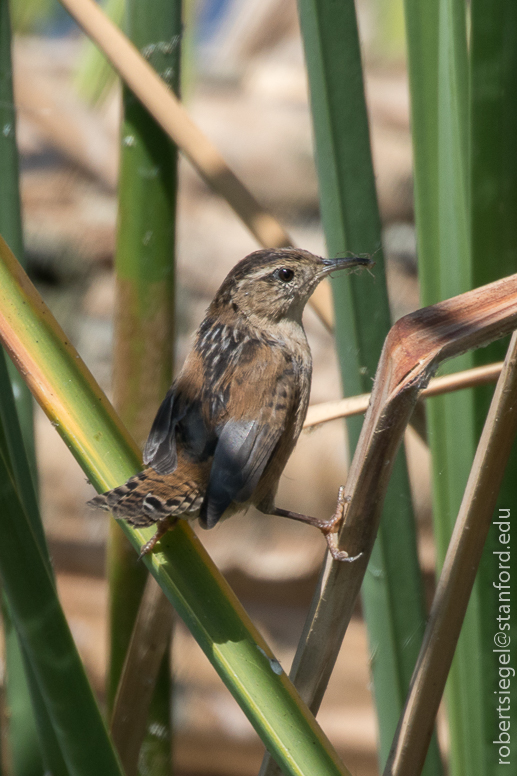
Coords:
458,575
47,641
392,592
31,737
494,199
16,454
144,314
21,456
63,732
10,216
27,14
438,73
23,747
9,193
88,424
95,76
33,746
30,732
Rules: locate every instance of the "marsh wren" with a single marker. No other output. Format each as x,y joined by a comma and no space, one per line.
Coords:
230,421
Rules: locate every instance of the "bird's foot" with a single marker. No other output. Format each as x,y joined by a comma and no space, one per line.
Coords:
329,528
332,526
337,554
163,526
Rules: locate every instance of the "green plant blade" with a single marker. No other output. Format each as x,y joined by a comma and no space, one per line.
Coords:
145,286
16,454
24,748
31,738
10,221
437,61
24,751
88,424
22,692
95,74
392,592
493,89
144,313
44,633
10,216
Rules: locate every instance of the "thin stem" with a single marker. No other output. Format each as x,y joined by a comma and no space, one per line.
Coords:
457,577
356,405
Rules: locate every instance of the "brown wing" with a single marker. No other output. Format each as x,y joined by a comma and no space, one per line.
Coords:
160,449
180,420
247,440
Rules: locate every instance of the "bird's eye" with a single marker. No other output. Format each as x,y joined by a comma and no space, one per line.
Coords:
285,274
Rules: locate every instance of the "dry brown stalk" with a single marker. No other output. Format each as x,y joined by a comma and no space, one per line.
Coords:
355,405
164,106
70,128
413,350
415,728
149,641
170,114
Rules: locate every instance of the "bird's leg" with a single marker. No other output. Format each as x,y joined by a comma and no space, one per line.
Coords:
164,525
329,528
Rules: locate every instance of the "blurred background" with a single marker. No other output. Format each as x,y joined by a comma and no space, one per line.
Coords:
244,83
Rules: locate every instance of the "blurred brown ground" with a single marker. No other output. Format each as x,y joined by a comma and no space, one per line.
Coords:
261,123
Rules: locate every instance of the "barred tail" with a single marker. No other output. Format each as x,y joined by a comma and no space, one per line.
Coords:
100,501
147,498
124,502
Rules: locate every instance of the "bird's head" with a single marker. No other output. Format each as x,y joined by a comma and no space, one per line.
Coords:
273,284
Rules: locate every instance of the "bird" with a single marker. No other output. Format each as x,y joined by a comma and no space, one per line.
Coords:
227,426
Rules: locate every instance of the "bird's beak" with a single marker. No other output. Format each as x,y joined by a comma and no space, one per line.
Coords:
332,265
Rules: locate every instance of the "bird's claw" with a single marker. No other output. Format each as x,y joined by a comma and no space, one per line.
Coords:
163,526
147,547
333,526
337,554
